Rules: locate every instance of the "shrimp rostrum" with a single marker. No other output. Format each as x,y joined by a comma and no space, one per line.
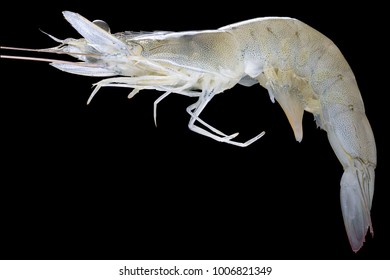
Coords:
301,68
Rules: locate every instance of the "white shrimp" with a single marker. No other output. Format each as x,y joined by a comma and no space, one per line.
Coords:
301,68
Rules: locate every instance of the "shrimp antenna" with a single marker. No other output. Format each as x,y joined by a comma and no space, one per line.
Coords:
36,59
41,51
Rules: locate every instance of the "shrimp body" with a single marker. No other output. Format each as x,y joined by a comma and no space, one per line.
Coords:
301,69
304,70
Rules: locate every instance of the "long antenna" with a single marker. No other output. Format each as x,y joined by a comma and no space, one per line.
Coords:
36,59
46,51
28,50
41,51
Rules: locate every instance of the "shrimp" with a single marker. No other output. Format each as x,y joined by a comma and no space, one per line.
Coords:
302,70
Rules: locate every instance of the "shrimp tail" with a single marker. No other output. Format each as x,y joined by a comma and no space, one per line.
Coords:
357,188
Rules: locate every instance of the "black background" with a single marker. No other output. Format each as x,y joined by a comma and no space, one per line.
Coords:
102,182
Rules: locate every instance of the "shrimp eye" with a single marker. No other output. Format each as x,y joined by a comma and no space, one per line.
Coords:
102,24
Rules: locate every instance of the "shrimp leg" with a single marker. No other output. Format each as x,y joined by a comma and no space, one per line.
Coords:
155,105
198,108
193,107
